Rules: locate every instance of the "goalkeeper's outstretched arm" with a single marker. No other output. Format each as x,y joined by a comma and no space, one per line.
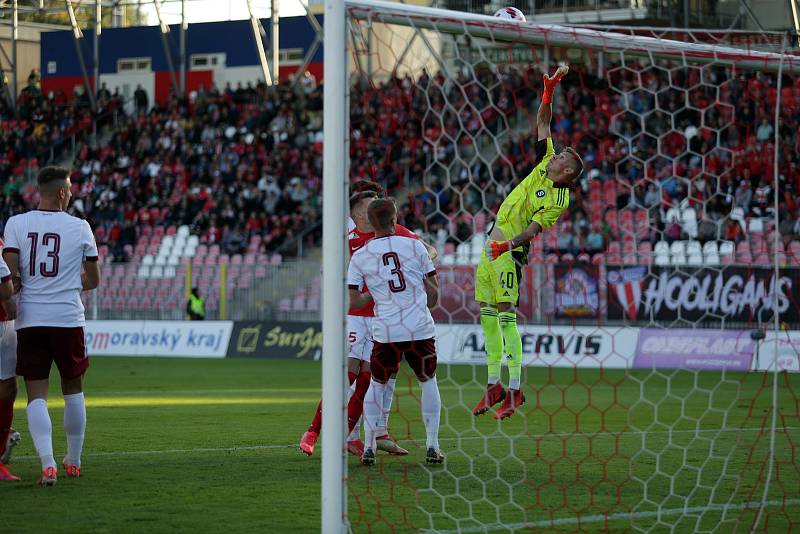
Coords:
545,114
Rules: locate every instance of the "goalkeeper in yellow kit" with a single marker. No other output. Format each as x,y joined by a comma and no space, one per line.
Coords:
533,206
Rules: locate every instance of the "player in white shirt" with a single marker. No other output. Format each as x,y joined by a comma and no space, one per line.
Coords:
8,370
402,281
55,256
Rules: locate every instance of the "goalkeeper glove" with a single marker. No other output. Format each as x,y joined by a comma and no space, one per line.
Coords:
499,247
550,83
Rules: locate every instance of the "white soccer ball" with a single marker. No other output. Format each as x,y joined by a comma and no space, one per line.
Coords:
510,13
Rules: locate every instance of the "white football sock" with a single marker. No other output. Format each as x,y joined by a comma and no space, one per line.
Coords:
41,431
431,411
356,432
373,414
388,395
74,426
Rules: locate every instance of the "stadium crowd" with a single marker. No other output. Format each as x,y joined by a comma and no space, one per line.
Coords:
235,163
704,141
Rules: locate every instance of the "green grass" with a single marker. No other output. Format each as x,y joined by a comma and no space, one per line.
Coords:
184,445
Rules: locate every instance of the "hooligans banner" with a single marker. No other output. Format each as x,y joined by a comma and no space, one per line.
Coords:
729,293
576,290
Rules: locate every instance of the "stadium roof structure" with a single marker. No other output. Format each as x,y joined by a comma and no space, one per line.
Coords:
269,66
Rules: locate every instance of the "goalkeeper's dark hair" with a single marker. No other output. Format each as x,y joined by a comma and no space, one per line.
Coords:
355,198
577,163
381,213
368,185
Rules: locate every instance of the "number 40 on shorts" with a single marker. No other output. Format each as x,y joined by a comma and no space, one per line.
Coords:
507,280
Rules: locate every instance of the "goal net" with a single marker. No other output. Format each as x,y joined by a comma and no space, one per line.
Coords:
662,392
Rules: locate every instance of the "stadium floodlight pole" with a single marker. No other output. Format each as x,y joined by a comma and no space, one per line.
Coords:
165,42
182,47
77,36
275,22
98,29
315,44
14,38
258,37
555,35
334,197
796,17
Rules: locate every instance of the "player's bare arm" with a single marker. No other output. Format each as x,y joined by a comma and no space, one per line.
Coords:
6,290
357,298
545,114
432,289
432,252
12,260
10,307
90,277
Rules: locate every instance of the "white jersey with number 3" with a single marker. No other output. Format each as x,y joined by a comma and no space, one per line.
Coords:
394,269
52,246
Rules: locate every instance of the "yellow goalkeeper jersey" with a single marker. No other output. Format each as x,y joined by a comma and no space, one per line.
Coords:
534,199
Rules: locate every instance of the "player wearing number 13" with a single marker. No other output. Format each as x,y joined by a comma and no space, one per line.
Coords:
54,256
532,207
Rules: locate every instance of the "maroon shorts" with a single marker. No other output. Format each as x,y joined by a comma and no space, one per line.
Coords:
39,346
420,355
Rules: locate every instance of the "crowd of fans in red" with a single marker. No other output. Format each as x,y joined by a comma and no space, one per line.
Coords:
653,139
241,162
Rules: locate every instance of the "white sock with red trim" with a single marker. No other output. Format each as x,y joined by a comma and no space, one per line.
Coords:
74,426
41,430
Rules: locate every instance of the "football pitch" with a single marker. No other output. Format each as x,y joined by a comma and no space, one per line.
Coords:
187,445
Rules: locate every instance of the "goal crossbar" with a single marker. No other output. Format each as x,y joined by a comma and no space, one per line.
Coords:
484,26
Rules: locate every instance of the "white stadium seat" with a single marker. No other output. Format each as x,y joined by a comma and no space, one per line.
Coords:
678,248
695,260
726,248
710,247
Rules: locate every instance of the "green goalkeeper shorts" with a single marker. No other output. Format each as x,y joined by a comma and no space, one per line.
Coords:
498,280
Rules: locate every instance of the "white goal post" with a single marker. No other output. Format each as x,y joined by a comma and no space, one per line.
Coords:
339,41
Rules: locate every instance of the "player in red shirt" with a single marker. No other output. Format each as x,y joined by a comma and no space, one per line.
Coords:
359,326
8,370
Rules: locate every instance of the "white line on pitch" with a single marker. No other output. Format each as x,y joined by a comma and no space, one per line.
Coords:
409,441
619,516
116,454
